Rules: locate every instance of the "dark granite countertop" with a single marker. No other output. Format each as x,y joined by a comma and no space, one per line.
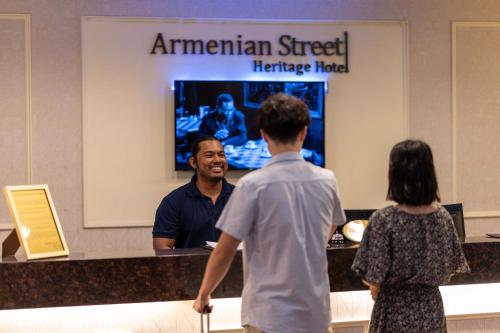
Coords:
109,278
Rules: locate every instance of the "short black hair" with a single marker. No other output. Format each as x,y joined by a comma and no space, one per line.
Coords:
282,117
195,147
225,97
412,176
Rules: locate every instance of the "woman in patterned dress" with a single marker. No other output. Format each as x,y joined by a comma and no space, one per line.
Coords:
409,249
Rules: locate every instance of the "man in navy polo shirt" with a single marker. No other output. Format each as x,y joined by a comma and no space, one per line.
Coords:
186,217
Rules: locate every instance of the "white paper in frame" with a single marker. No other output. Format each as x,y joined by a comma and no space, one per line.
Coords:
36,221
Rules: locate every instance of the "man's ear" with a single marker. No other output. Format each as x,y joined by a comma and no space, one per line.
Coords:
303,134
192,163
264,135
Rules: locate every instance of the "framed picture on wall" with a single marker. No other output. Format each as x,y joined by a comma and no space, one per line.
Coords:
36,221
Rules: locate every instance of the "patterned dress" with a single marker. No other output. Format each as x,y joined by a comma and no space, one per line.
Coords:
409,256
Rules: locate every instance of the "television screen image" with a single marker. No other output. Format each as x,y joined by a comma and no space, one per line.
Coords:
228,109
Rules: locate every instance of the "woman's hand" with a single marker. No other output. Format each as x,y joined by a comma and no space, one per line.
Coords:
374,289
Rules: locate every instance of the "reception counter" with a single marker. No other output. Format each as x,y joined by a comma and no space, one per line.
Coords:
175,275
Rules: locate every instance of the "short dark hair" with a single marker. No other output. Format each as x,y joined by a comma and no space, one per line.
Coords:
412,176
225,97
282,117
195,147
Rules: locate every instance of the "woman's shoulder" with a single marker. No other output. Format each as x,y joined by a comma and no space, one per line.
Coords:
384,212
382,217
391,214
442,214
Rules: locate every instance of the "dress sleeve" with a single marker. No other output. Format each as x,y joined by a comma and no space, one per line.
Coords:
373,258
458,263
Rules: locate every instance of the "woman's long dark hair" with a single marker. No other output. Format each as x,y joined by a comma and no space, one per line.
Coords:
412,176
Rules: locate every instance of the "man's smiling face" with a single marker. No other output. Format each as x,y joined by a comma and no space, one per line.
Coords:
210,162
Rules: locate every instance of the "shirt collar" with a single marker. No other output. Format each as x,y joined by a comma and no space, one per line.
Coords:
193,189
286,156
195,192
226,187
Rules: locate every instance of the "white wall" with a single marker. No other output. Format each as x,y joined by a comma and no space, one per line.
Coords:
128,106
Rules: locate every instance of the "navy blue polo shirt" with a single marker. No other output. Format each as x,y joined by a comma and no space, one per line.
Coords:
189,217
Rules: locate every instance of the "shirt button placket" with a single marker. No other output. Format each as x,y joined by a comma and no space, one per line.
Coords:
210,206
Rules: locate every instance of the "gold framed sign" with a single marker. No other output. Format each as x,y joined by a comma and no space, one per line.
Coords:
36,222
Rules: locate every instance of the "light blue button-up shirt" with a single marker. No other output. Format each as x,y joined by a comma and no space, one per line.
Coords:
283,213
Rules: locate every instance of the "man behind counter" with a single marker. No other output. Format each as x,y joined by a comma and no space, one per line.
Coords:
186,217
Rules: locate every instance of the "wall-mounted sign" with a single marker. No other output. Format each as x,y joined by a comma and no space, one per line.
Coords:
284,46
36,221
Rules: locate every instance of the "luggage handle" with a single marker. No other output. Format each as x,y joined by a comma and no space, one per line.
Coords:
202,322
207,311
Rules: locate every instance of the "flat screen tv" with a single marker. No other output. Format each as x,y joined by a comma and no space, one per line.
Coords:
198,106
457,214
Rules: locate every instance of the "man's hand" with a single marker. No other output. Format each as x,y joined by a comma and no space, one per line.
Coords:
221,134
161,243
201,304
218,264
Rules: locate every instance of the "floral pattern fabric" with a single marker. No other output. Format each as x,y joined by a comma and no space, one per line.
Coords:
409,256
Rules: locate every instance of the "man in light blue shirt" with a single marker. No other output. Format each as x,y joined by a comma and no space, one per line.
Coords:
285,214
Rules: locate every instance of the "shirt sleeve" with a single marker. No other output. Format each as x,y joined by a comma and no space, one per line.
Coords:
239,215
338,211
239,132
373,259
204,128
167,222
